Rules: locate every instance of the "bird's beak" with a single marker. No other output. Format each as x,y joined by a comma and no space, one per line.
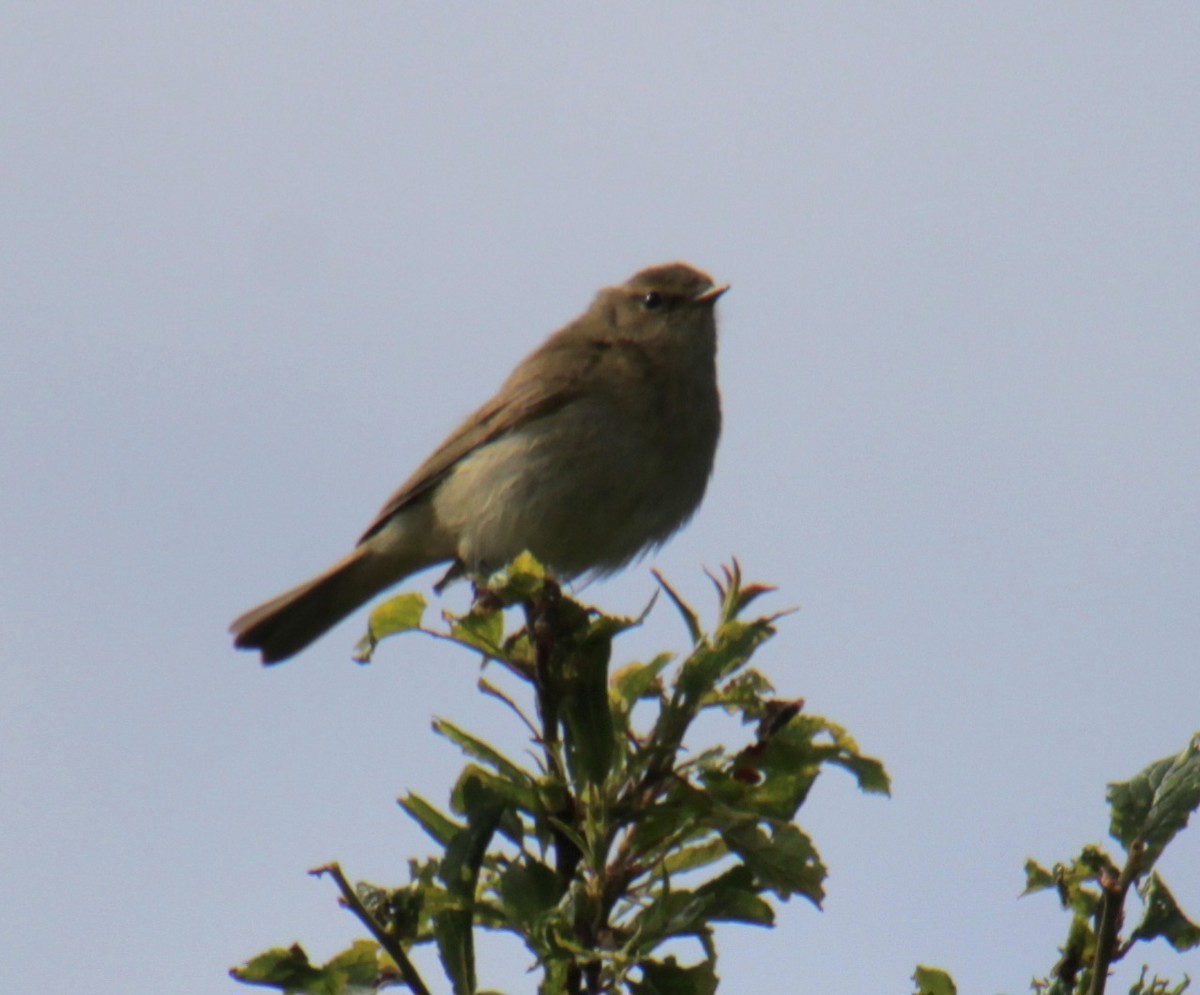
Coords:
710,296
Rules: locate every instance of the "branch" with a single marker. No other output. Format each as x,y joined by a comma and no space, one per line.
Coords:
394,950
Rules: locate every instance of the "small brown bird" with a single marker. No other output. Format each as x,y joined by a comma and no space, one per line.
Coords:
598,447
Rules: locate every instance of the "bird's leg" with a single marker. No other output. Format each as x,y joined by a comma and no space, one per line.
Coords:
457,569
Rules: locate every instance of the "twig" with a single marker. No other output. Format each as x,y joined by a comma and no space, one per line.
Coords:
394,950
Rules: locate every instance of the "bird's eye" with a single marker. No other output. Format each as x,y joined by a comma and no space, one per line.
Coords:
652,301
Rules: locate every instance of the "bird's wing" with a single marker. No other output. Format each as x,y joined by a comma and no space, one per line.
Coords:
524,398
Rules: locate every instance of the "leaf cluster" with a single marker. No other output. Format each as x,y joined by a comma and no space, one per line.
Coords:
617,837
1146,813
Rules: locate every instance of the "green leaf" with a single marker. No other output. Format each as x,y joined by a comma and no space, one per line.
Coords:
522,579
475,747
459,872
745,693
464,855
733,897
672,821
670,913
482,631
640,806
440,827
933,981
554,980
640,680
690,618
842,750
528,890
1163,917
456,948
734,597
868,772
1156,804
669,978
403,912
688,858
290,970
730,648
403,613
590,733
776,794
784,861
1094,864
773,776
521,797
1037,878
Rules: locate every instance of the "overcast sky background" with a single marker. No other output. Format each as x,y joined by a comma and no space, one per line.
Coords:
257,259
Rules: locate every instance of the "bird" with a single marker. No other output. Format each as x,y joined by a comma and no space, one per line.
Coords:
596,449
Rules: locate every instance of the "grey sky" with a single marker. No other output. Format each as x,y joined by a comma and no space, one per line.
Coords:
256,259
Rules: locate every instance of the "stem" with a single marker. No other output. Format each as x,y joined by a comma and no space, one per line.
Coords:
542,621
551,637
393,948
1111,916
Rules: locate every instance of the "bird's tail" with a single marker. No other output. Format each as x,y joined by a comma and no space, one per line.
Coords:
282,627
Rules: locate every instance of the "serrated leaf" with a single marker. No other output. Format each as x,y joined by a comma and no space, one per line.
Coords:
672,822
1164,918
290,971
638,680
745,693
403,613
669,978
868,772
933,981
784,861
1156,804
1037,878
772,777
748,788
843,751
522,579
480,631
1096,864
733,897
359,965
709,663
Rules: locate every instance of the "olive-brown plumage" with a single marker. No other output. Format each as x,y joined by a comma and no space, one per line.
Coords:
597,447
